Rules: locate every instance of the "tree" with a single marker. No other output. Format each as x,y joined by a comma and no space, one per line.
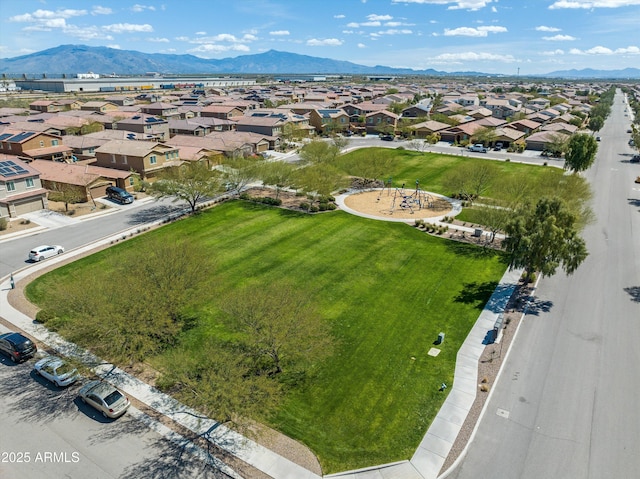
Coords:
319,152
494,216
484,135
238,172
581,152
377,165
278,174
138,312
544,238
635,137
557,144
65,193
471,179
596,123
190,182
280,328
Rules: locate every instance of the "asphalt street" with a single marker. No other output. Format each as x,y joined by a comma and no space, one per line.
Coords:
566,402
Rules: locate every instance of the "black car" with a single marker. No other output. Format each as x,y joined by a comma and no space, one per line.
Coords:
387,137
17,346
119,195
635,159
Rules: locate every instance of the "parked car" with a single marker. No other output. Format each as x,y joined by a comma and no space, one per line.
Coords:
17,346
478,148
105,398
45,251
598,138
120,195
635,159
387,137
498,146
56,370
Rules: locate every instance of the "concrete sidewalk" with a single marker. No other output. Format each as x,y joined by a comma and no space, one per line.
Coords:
427,460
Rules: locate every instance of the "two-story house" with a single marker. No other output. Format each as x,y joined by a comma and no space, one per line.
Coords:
33,145
144,157
20,188
150,126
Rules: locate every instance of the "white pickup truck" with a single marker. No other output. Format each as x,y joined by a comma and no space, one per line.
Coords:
478,147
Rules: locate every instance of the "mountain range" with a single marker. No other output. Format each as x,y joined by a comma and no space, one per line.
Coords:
72,59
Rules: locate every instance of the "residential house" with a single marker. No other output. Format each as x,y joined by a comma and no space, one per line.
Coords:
507,136
540,140
418,110
151,126
99,106
89,181
268,125
560,127
329,119
188,127
84,146
121,100
45,106
381,121
224,112
165,110
20,188
229,146
33,145
426,128
525,126
146,158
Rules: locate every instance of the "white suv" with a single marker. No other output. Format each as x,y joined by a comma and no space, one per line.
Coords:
45,251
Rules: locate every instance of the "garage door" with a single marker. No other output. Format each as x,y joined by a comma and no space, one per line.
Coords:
28,206
99,191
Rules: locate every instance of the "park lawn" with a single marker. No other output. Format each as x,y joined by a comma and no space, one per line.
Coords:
387,290
429,169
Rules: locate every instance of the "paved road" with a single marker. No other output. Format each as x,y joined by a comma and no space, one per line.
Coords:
14,252
47,432
566,402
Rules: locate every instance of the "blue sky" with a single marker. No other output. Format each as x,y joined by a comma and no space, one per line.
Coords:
492,36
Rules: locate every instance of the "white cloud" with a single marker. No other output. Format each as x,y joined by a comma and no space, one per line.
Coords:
600,50
542,28
364,24
98,10
379,18
361,45
280,33
556,52
453,4
128,27
216,48
339,16
42,15
201,33
560,38
474,56
115,46
473,32
158,40
327,42
393,31
142,8
589,4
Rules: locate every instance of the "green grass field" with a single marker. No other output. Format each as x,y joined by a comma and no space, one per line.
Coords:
387,291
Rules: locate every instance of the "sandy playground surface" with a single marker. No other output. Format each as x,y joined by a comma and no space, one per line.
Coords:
381,203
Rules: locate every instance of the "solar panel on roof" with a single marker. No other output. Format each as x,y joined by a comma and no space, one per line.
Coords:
5,136
22,136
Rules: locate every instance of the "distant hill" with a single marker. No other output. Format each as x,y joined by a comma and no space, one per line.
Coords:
72,59
626,74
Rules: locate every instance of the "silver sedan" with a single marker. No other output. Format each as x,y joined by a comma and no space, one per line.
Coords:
56,370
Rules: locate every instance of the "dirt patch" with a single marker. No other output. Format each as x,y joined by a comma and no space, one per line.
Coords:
391,204
18,225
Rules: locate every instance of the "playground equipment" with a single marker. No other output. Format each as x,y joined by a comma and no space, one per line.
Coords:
418,199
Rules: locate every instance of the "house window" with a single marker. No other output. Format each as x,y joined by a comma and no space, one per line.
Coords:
166,156
131,181
11,186
92,150
113,158
153,160
29,182
41,143
124,159
54,142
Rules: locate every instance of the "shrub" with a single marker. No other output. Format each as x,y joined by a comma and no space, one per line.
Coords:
45,315
245,196
3,224
304,205
313,209
25,222
508,159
